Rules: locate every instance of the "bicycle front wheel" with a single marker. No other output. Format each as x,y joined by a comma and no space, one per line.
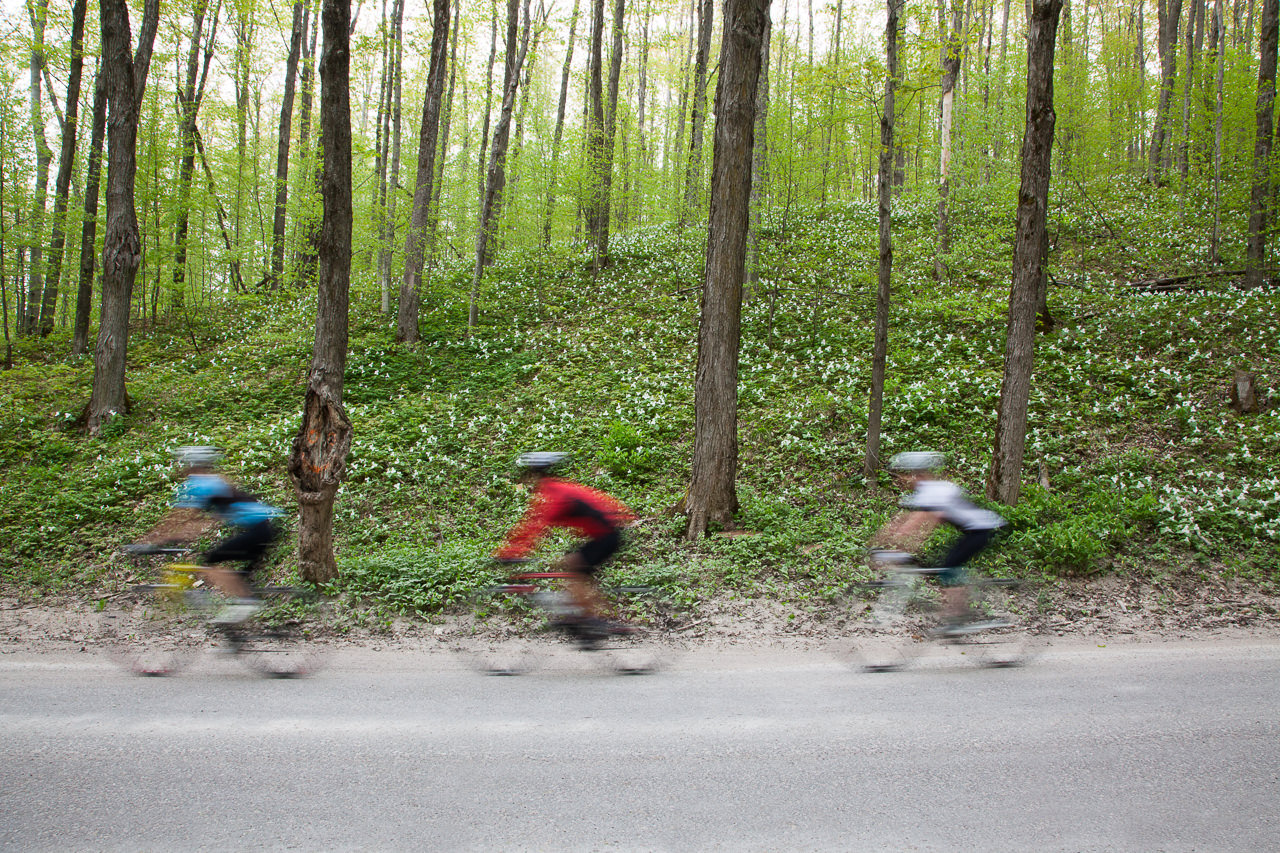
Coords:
280,640
1001,633
152,630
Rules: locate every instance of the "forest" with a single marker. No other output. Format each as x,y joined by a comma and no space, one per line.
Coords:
375,250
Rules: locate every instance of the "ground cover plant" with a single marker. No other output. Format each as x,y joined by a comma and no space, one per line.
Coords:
1136,464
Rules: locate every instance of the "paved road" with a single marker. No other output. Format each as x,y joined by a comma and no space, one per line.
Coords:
1139,748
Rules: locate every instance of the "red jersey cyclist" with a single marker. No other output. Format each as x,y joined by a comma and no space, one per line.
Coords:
593,515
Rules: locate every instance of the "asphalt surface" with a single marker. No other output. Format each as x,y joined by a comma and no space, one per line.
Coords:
1135,748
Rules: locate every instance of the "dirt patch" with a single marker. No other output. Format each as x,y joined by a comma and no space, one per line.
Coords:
1173,607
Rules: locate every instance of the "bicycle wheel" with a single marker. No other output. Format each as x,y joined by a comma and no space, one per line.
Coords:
999,634
280,640
154,630
498,646
893,635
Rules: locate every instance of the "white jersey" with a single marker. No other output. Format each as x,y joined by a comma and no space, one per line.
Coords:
948,500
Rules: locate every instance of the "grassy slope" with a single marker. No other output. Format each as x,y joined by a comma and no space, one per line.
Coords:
1147,466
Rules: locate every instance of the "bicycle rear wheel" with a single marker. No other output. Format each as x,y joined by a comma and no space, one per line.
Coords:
1000,635
280,640
154,629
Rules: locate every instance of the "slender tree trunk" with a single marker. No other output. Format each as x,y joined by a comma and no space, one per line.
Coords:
1170,13
698,118
66,162
306,259
419,239
759,161
604,175
497,176
126,81
282,150
386,249
1256,256
558,134
4,286
1194,34
950,71
446,117
1004,483
595,202
39,12
89,230
482,160
712,497
1214,237
244,27
188,106
318,462
880,347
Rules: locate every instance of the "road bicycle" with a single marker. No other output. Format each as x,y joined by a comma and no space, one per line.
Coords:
156,629
905,620
543,627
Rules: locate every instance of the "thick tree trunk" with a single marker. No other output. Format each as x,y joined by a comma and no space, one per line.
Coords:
66,162
712,497
89,231
282,150
419,240
319,457
698,118
558,134
497,176
880,347
1004,483
126,80
1260,199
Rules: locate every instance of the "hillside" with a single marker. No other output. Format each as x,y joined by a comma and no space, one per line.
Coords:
1151,477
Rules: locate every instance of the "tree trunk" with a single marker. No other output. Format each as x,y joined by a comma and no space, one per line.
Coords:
497,176
319,457
880,348
126,81
698,118
1260,199
188,106
950,71
595,204
89,230
759,161
28,323
4,286
712,497
243,26
1004,482
282,150
306,260
66,162
386,254
559,129
605,174
1214,237
1170,12
419,240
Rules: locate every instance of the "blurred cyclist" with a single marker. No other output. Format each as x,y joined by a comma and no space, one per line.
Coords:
205,499
593,515
933,501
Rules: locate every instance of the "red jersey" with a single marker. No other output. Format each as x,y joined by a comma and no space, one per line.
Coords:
560,503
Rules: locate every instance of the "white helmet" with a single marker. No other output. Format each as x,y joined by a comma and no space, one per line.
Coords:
917,460
543,461
197,456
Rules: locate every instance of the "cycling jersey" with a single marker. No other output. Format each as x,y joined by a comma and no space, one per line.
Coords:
213,494
560,503
947,499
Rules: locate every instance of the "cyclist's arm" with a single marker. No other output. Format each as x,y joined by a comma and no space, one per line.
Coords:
909,529
181,524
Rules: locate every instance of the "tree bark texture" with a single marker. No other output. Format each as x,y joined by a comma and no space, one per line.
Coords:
698,118
1004,482
126,81
66,162
89,230
595,207
951,53
1260,198
1169,12
188,107
558,133
419,241
880,347
712,497
282,150
28,323
319,457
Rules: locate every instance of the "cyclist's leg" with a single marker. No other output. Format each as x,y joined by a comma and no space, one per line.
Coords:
583,564
248,546
955,586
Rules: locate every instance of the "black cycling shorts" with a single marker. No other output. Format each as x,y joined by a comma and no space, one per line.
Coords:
596,552
249,545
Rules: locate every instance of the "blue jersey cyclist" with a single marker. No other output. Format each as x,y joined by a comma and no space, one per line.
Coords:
933,501
206,499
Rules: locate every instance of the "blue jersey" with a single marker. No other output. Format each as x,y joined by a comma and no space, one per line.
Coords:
211,493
